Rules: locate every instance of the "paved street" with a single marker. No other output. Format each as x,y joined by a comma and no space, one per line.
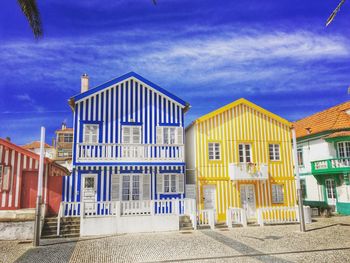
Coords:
326,241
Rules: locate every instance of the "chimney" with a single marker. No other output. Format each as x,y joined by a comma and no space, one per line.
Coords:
64,126
8,139
84,82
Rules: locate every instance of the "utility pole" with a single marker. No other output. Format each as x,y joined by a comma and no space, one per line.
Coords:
36,240
297,176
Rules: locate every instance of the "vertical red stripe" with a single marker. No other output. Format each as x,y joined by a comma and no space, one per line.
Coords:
14,181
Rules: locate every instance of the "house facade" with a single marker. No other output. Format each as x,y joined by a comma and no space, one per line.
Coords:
323,141
34,146
240,158
128,156
19,181
63,145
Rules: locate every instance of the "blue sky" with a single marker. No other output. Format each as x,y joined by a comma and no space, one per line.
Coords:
277,54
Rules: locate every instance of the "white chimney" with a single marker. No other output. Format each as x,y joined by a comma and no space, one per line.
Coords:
84,82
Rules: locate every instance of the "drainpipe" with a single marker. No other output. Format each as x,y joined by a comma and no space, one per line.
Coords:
297,177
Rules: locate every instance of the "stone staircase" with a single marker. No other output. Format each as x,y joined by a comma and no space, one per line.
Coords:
221,225
185,223
69,228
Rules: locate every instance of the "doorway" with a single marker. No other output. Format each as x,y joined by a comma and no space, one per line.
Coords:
331,192
248,200
209,196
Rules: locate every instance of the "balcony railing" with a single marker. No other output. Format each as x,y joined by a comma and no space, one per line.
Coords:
108,152
337,165
248,171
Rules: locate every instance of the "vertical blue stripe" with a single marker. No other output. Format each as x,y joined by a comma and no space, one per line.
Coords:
146,120
92,108
81,125
75,131
122,104
104,184
79,187
169,117
87,110
99,186
73,188
97,111
150,116
116,115
127,101
173,112
160,109
155,118
136,101
110,184
106,112
164,110
131,98
112,114
141,104
178,114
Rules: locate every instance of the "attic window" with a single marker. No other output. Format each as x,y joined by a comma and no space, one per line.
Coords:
308,130
348,110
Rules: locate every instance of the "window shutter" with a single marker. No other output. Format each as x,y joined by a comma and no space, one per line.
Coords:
179,135
159,183
181,183
115,187
159,132
146,187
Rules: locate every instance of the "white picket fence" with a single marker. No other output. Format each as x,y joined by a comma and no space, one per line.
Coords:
206,217
236,216
277,215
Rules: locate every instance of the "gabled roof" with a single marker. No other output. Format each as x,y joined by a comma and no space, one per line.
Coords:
35,145
236,103
122,78
333,119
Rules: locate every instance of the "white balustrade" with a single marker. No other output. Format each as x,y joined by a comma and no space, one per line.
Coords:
129,152
136,207
190,210
248,171
206,217
277,215
236,216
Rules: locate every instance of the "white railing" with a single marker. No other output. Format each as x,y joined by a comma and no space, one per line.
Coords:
236,216
70,209
277,215
102,208
206,217
129,152
248,171
135,208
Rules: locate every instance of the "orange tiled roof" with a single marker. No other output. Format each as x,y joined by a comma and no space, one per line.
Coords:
35,145
332,119
338,134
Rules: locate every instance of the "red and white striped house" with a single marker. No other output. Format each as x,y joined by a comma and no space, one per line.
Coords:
19,179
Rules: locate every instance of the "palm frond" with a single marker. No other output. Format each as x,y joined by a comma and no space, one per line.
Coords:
334,13
31,11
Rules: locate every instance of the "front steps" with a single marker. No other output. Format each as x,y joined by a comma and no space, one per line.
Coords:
69,228
185,223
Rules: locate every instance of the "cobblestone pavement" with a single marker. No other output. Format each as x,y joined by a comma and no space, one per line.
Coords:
327,240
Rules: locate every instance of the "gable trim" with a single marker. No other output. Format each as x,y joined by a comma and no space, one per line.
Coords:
112,82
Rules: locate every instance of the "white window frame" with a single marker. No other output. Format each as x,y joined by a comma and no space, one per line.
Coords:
275,155
172,184
161,135
214,151
131,134
277,191
345,152
90,136
244,153
131,180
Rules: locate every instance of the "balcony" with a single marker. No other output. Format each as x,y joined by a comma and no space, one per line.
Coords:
331,166
109,152
248,171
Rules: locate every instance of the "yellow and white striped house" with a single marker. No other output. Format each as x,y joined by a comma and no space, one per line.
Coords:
240,158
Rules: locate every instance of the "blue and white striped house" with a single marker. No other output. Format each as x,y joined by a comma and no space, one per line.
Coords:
128,152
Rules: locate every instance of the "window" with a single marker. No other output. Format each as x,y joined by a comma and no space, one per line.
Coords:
300,157
245,153
5,172
1,175
277,194
274,152
344,149
91,133
130,187
66,137
170,183
169,135
303,188
64,153
214,151
131,134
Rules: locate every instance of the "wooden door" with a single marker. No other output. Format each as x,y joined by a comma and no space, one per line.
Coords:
54,188
29,189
